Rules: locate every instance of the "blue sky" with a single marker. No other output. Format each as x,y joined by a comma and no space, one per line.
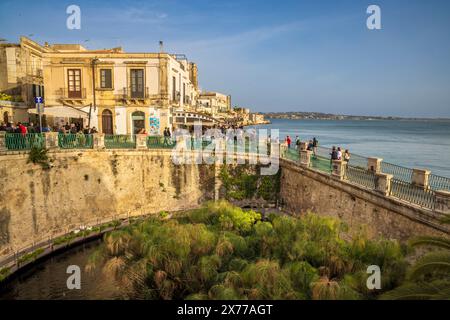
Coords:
311,55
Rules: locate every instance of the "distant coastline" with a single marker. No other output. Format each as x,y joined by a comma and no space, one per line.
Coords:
300,115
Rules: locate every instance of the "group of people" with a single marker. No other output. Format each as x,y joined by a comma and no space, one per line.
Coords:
72,128
336,154
75,128
22,128
312,145
167,136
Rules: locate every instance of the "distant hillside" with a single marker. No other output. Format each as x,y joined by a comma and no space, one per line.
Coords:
328,116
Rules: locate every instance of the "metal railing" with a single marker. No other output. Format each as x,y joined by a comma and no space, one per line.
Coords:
421,196
439,183
20,141
75,141
399,172
360,176
160,142
64,93
292,154
120,141
128,93
321,163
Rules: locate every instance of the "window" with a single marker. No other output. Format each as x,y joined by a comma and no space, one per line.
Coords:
174,88
106,78
137,83
74,83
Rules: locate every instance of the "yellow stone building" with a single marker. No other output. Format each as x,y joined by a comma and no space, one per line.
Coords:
118,92
114,91
21,78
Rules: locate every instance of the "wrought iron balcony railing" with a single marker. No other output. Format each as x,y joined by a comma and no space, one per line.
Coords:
65,93
132,93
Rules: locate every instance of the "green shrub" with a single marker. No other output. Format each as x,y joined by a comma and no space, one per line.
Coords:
4,273
39,156
223,252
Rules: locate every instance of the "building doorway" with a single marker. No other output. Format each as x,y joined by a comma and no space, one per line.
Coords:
107,122
138,121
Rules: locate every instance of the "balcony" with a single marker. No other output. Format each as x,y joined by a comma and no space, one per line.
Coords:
75,96
129,95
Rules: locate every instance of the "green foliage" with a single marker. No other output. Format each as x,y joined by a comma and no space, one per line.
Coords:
5,97
4,273
39,156
435,290
163,214
428,278
240,183
224,252
31,256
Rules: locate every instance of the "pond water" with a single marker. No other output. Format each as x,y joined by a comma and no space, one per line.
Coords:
47,280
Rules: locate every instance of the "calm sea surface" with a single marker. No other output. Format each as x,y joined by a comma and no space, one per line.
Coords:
415,144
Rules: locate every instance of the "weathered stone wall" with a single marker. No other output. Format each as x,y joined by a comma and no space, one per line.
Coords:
305,190
91,187
84,187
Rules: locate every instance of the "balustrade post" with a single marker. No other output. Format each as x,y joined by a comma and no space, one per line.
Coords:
141,141
98,140
305,158
51,140
283,149
420,178
3,141
374,164
303,146
383,183
339,168
442,203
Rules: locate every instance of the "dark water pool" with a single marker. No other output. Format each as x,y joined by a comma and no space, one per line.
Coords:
47,279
